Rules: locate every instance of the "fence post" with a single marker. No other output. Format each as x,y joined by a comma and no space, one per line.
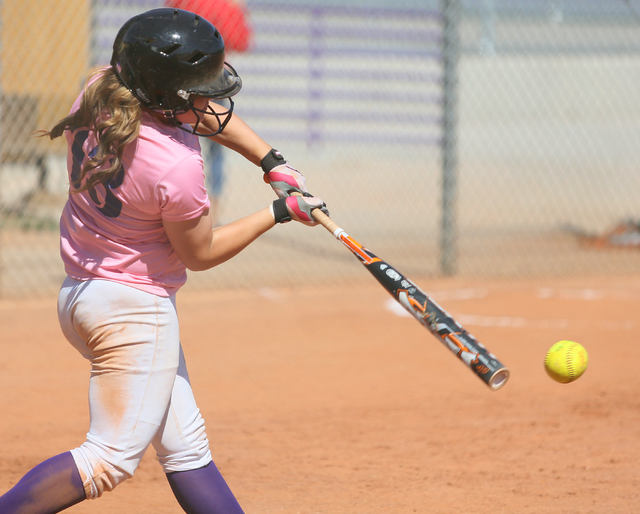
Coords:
2,143
316,76
450,54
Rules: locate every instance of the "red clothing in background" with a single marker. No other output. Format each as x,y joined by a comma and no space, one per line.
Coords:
227,16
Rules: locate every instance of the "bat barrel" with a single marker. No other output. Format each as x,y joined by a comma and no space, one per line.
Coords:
425,310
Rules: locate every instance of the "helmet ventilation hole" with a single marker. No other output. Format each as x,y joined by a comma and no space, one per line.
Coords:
195,58
168,50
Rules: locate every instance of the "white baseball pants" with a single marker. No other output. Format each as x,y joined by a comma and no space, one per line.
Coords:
139,390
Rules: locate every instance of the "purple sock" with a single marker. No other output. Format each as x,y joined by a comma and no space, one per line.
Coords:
203,491
52,486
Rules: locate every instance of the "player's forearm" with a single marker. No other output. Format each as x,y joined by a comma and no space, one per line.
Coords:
241,138
229,240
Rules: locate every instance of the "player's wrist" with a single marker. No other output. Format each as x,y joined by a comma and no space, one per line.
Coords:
280,211
271,160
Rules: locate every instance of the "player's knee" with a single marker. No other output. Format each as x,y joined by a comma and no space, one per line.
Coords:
196,456
183,445
97,473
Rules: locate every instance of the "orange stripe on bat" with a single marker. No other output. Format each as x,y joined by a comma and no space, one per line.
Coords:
415,304
454,339
357,248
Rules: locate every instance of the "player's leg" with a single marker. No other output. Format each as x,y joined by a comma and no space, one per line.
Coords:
183,450
203,491
52,486
131,339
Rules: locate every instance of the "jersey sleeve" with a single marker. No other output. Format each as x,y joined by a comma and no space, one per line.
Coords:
181,191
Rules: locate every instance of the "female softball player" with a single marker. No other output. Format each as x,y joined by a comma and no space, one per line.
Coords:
136,218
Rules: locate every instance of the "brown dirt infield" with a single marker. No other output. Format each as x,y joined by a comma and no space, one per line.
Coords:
324,401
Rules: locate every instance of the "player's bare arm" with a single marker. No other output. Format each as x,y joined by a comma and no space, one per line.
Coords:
200,246
237,136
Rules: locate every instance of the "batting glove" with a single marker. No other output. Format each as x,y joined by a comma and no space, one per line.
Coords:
297,208
282,178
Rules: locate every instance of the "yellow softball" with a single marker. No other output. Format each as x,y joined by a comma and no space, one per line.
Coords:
566,361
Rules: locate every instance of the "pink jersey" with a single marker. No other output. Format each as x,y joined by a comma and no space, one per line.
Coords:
114,231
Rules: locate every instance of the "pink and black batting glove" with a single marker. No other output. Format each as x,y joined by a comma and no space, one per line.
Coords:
282,178
298,208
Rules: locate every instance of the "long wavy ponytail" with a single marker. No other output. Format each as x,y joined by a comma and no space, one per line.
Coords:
110,110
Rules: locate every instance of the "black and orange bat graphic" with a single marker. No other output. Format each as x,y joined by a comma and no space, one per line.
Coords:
433,317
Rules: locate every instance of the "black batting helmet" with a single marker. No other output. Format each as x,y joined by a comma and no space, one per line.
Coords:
166,57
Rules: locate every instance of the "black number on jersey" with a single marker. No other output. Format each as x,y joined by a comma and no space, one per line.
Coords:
101,194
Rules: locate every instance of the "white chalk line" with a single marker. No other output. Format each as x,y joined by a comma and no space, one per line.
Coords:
510,322
467,320
586,294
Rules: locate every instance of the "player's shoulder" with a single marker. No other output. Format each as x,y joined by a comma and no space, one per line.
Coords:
166,143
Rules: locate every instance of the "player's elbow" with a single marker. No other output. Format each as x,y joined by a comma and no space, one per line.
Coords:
195,262
197,266
203,260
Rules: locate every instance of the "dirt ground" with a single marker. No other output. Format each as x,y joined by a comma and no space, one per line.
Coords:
330,401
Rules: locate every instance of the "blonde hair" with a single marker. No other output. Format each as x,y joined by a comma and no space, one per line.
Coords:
111,111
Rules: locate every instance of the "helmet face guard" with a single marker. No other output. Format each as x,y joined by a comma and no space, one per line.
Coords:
167,57
222,118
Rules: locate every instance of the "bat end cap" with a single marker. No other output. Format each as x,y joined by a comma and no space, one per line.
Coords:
499,379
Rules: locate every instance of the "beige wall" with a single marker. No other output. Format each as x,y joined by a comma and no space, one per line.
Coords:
44,53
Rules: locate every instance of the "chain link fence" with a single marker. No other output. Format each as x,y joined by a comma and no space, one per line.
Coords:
493,138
